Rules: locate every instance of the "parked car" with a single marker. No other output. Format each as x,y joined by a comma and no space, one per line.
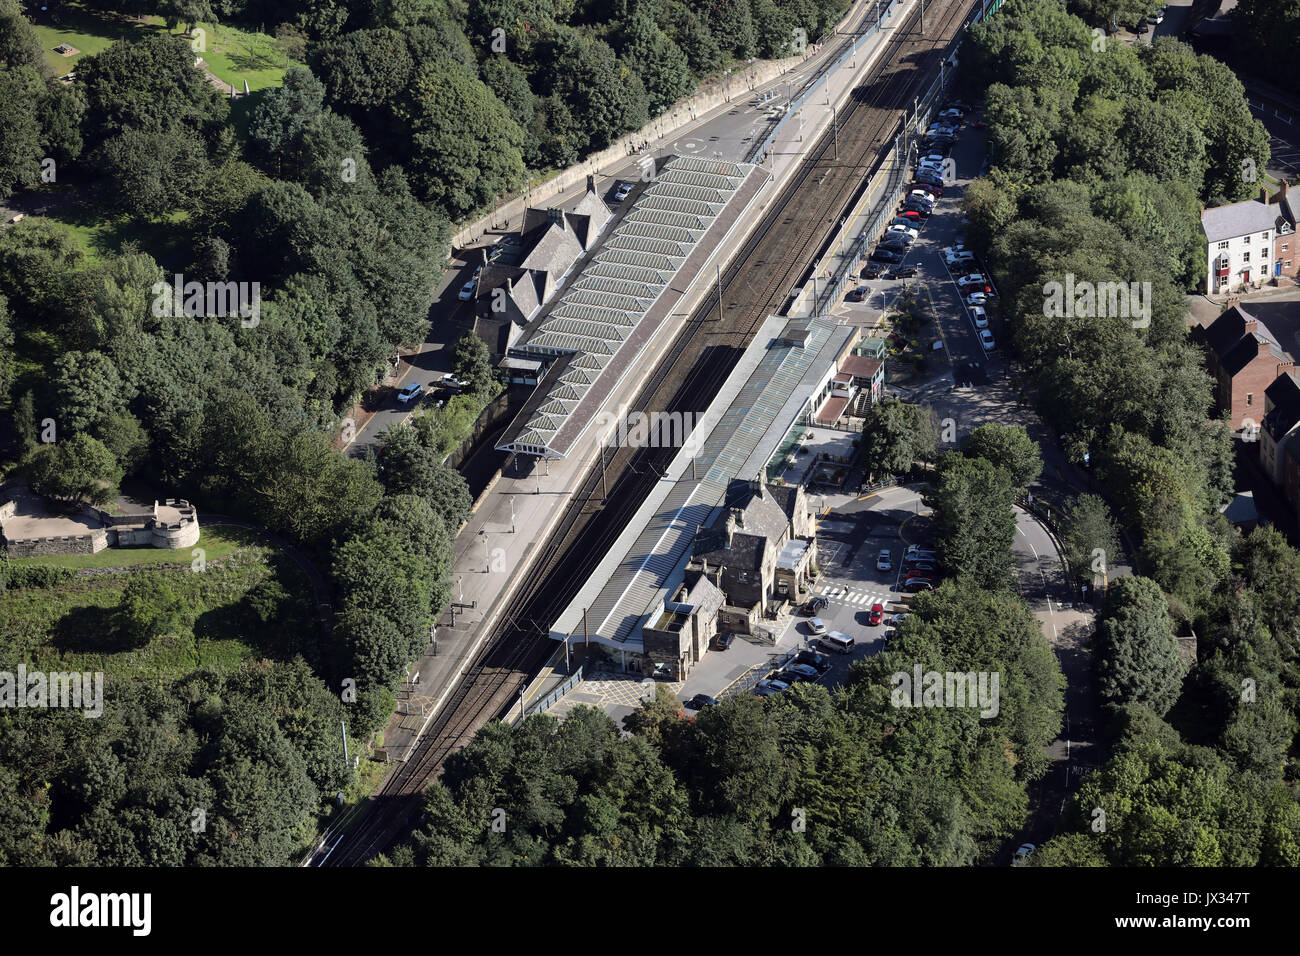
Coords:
919,575
886,255
977,299
907,215
858,294
936,158
979,124
723,641
467,290
1025,851
1144,27
876,614
768,687
816,625
410,393
979,316
952,115
905,221
1158,16
798,672
906,230
895,242
921,566
930,189
918,584
814,659
929,178
870,272
624,190
905,272
956,259
923,195
922,210
700,701
897,619
973,278
986,340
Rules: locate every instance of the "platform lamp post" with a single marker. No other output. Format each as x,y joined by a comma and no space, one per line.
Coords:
512,514
487,557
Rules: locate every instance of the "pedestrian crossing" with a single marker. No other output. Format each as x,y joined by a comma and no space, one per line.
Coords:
841,594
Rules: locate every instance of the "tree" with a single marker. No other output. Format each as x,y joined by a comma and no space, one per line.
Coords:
1137,655
20,130
472,362
279,119
1010,448
87,389
974,522
466,147
150,172
1089,529
895,436
75,469
151,607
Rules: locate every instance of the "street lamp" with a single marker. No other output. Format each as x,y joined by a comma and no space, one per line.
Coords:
512,514
487,559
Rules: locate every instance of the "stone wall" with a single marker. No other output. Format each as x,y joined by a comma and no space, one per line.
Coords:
91,543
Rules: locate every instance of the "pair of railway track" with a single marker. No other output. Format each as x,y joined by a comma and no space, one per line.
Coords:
757,283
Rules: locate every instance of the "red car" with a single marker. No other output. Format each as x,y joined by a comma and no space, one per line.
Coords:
876,615
910,214
919,576
968,287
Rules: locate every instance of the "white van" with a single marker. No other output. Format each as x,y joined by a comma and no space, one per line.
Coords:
837,641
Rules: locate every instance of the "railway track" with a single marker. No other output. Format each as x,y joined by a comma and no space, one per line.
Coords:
758,283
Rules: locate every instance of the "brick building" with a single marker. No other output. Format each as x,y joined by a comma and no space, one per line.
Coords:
1244,358
1281,416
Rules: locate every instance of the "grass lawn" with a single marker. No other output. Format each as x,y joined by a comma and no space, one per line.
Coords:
232,54
236,55
100,234
234,615
217,542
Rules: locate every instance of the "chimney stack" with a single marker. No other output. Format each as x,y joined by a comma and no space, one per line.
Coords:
1263,195
591,184
731,527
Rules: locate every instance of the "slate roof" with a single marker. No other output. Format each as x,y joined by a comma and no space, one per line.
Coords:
1284,396
1235,347
624,276
1240,219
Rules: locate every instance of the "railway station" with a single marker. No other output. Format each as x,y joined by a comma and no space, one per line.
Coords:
718,546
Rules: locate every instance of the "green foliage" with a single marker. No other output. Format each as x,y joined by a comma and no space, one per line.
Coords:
472,362
75,470
1010,448
973,518
1089,528
896,436
1137,654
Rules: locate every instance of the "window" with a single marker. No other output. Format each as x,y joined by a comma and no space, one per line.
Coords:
1245,257
1284,247
1250,398
1224,244
1264,236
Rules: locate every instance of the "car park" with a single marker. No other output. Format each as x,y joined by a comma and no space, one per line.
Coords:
623,191
723,641
884,561
858,294
410,393
876,614
979,316
700,701
467,291
977,298
986,340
